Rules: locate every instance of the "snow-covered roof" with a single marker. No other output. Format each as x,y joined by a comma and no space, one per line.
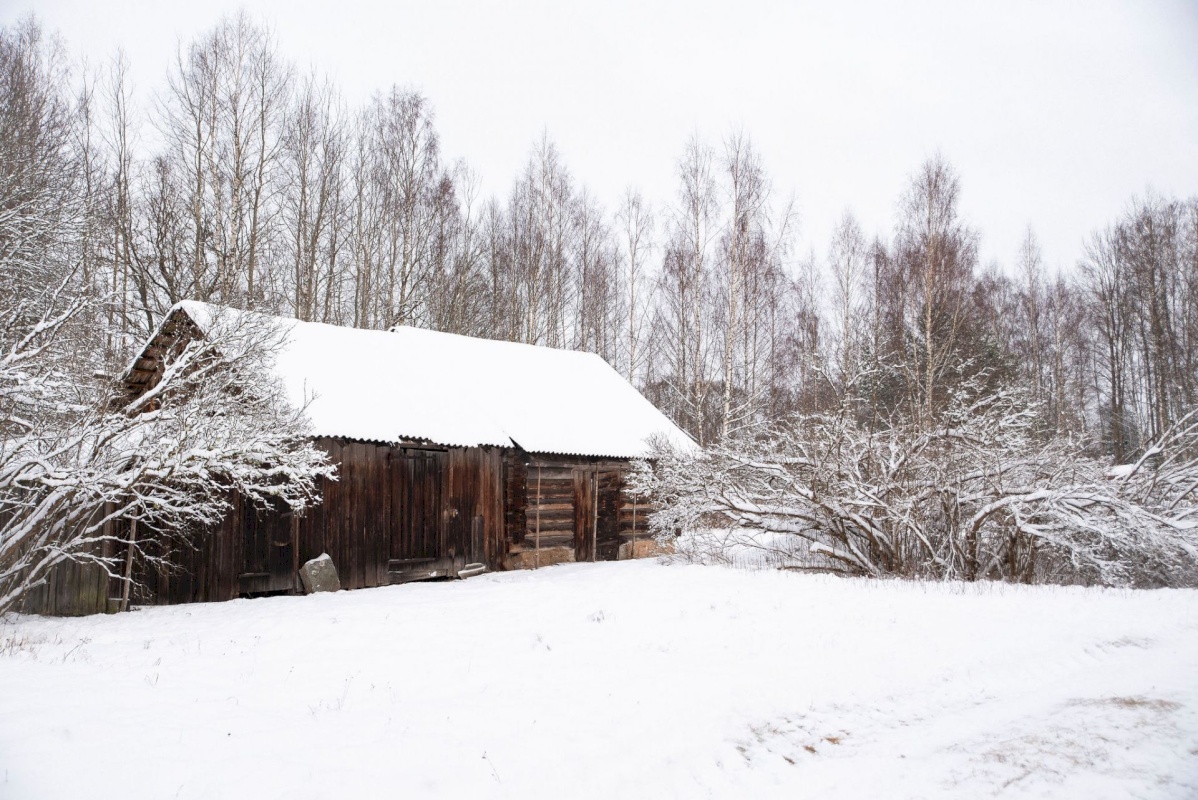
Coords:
415,384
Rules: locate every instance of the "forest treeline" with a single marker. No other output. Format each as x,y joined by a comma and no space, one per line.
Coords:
885,405
248,183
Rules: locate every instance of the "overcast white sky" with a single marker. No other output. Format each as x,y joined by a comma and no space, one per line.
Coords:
1055,114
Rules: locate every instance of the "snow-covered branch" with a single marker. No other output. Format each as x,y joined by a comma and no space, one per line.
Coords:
980,495
73,460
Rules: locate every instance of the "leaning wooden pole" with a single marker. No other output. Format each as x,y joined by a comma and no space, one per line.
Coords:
594,515
632,550
537,538
129,565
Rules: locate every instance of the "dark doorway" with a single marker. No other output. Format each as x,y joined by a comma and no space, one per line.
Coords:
418,541
268,555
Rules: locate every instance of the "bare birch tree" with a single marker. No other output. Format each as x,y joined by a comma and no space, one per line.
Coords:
936,254
636,223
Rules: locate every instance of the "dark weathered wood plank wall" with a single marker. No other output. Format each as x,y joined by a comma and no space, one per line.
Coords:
437,508
441,504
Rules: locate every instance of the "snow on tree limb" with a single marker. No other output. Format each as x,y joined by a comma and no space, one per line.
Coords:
215,423
979,495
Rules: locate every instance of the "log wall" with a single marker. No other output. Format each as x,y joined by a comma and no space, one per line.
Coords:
570,508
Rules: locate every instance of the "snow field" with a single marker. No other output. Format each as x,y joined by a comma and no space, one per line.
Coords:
626,679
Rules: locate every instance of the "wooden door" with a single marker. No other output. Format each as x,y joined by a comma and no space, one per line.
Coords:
596,514
607,532
584,514
268,554
417,521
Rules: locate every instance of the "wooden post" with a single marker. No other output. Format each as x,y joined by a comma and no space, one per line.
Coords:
595,513
295,587
537,539
108,550
632,549
129,565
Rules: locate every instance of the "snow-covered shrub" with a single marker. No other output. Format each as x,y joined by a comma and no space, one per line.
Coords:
978,495
76,452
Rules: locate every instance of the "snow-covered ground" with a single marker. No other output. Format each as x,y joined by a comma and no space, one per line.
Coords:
613,680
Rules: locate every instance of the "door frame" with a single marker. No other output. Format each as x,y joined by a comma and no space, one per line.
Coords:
403,567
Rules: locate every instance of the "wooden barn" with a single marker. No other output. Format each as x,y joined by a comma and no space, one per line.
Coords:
454,455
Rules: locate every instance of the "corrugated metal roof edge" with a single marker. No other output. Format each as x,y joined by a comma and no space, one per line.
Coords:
422,441
401,440
574,453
